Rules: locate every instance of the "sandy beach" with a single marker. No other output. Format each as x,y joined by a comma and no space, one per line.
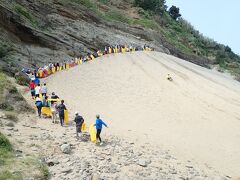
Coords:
196,116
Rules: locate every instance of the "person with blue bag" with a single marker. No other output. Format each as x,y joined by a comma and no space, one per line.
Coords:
39,106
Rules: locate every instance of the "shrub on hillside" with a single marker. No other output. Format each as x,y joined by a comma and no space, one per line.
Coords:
157,6
22,80
174,12
4,143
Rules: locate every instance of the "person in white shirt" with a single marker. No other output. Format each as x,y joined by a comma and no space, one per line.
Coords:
44,90
37,90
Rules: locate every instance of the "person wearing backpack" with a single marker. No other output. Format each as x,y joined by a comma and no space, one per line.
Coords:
79,122
39,106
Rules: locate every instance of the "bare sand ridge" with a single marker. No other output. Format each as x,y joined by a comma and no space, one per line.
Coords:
196,116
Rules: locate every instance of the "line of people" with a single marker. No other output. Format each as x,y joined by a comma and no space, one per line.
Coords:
42,100
50,105
52,68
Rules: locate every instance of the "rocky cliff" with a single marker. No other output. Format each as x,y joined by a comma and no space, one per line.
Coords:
37,32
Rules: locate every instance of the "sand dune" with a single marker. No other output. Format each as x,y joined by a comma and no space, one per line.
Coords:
197,116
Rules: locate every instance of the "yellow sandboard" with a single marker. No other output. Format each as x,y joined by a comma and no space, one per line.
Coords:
92,133
84,127
46,111
55,100
66,117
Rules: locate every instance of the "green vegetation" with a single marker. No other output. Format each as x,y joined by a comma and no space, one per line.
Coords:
44,171
157,6
15,168
3,51
22,80
177,31
86,3
5,155
4,48
104,1
3,84
115,15
5,145
174,12
25,13
11,99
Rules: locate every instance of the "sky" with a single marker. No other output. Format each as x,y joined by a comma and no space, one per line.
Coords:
216,19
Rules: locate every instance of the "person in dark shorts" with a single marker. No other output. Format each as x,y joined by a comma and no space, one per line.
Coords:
32,89
79,122
39,106
98,125
61,109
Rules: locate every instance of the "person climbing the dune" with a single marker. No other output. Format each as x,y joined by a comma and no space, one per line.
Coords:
37,90
98,125
39,106
54,111
44,89
61,109
32,88
54,96
45,102
79,122
169,77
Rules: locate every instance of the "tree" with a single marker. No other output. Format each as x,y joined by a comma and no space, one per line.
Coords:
228,49
157,6
174,12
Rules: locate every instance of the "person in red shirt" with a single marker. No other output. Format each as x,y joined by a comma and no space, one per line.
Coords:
32,88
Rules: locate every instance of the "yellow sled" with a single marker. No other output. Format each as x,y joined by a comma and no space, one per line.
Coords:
84,127
92,133
46,111
66,117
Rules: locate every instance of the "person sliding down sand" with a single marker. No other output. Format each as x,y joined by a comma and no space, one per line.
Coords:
169,77
79,122
98,125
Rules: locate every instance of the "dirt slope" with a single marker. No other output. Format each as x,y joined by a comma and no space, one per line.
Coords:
196,116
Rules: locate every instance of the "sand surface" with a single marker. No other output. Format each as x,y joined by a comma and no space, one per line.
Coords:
197,116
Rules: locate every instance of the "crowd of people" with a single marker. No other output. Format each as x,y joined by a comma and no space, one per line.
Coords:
51,105
52,68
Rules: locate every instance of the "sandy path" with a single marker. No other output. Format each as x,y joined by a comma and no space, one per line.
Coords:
195,116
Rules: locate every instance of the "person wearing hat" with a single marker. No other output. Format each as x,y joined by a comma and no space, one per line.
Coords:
98,125
79,122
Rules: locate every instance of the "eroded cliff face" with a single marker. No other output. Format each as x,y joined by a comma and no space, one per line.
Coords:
38,32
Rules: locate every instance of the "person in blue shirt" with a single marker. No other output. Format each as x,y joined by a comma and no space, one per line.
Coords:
39,106
99,123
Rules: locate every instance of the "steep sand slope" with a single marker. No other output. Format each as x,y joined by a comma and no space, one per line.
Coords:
195,116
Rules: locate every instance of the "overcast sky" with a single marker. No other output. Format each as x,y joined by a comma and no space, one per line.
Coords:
216,19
